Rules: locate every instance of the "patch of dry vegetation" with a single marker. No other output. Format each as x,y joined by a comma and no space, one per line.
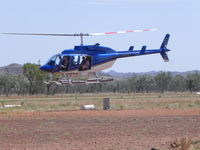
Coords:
185,144
118,101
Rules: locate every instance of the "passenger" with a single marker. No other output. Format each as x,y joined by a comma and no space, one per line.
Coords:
85,64
64,62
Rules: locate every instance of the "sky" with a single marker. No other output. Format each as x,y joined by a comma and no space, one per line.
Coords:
179,18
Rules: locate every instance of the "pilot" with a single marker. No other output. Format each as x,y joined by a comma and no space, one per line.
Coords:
64,63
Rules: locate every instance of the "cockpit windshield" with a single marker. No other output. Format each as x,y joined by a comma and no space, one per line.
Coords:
54,60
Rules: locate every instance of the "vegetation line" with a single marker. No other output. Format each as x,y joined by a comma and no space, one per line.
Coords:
31,82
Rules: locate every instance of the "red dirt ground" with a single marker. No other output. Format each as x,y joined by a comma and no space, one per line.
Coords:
97,130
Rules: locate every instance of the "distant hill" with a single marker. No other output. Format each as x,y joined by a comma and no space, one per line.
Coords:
152,73
12,69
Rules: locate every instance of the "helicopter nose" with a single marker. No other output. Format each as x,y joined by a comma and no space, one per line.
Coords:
43,68
47,68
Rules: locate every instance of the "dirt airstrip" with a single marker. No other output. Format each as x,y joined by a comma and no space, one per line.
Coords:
97,130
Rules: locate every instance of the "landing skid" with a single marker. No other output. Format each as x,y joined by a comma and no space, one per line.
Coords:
67,80
89,81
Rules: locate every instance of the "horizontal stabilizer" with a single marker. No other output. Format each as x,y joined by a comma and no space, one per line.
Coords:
131,48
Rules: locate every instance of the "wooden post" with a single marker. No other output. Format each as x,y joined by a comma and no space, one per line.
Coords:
106,104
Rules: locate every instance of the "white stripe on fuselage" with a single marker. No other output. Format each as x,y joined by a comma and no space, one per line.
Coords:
103,66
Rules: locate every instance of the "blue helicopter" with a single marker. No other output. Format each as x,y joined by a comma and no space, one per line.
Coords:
90,59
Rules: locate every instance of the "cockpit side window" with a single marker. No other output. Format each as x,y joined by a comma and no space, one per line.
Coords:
57,60
54,60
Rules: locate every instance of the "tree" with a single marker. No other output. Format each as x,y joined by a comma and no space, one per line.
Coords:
149,83
162,80
177,84
193,82
21,85
7,83
131,83
35,78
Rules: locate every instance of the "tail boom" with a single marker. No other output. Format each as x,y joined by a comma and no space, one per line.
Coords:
163,51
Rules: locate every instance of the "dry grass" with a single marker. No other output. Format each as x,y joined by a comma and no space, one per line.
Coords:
185,144
119,101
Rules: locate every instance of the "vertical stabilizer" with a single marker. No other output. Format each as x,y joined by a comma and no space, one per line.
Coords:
164,49
165,42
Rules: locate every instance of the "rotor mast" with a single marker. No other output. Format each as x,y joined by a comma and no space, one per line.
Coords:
81,35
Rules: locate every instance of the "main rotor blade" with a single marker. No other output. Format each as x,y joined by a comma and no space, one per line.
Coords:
70,34
119,32
82,34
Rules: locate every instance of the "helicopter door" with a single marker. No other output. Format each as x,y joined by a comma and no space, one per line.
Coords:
80,63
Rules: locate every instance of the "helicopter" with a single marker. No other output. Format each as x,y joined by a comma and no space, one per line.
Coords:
91,59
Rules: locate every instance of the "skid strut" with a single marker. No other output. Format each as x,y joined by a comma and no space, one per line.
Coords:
67,80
